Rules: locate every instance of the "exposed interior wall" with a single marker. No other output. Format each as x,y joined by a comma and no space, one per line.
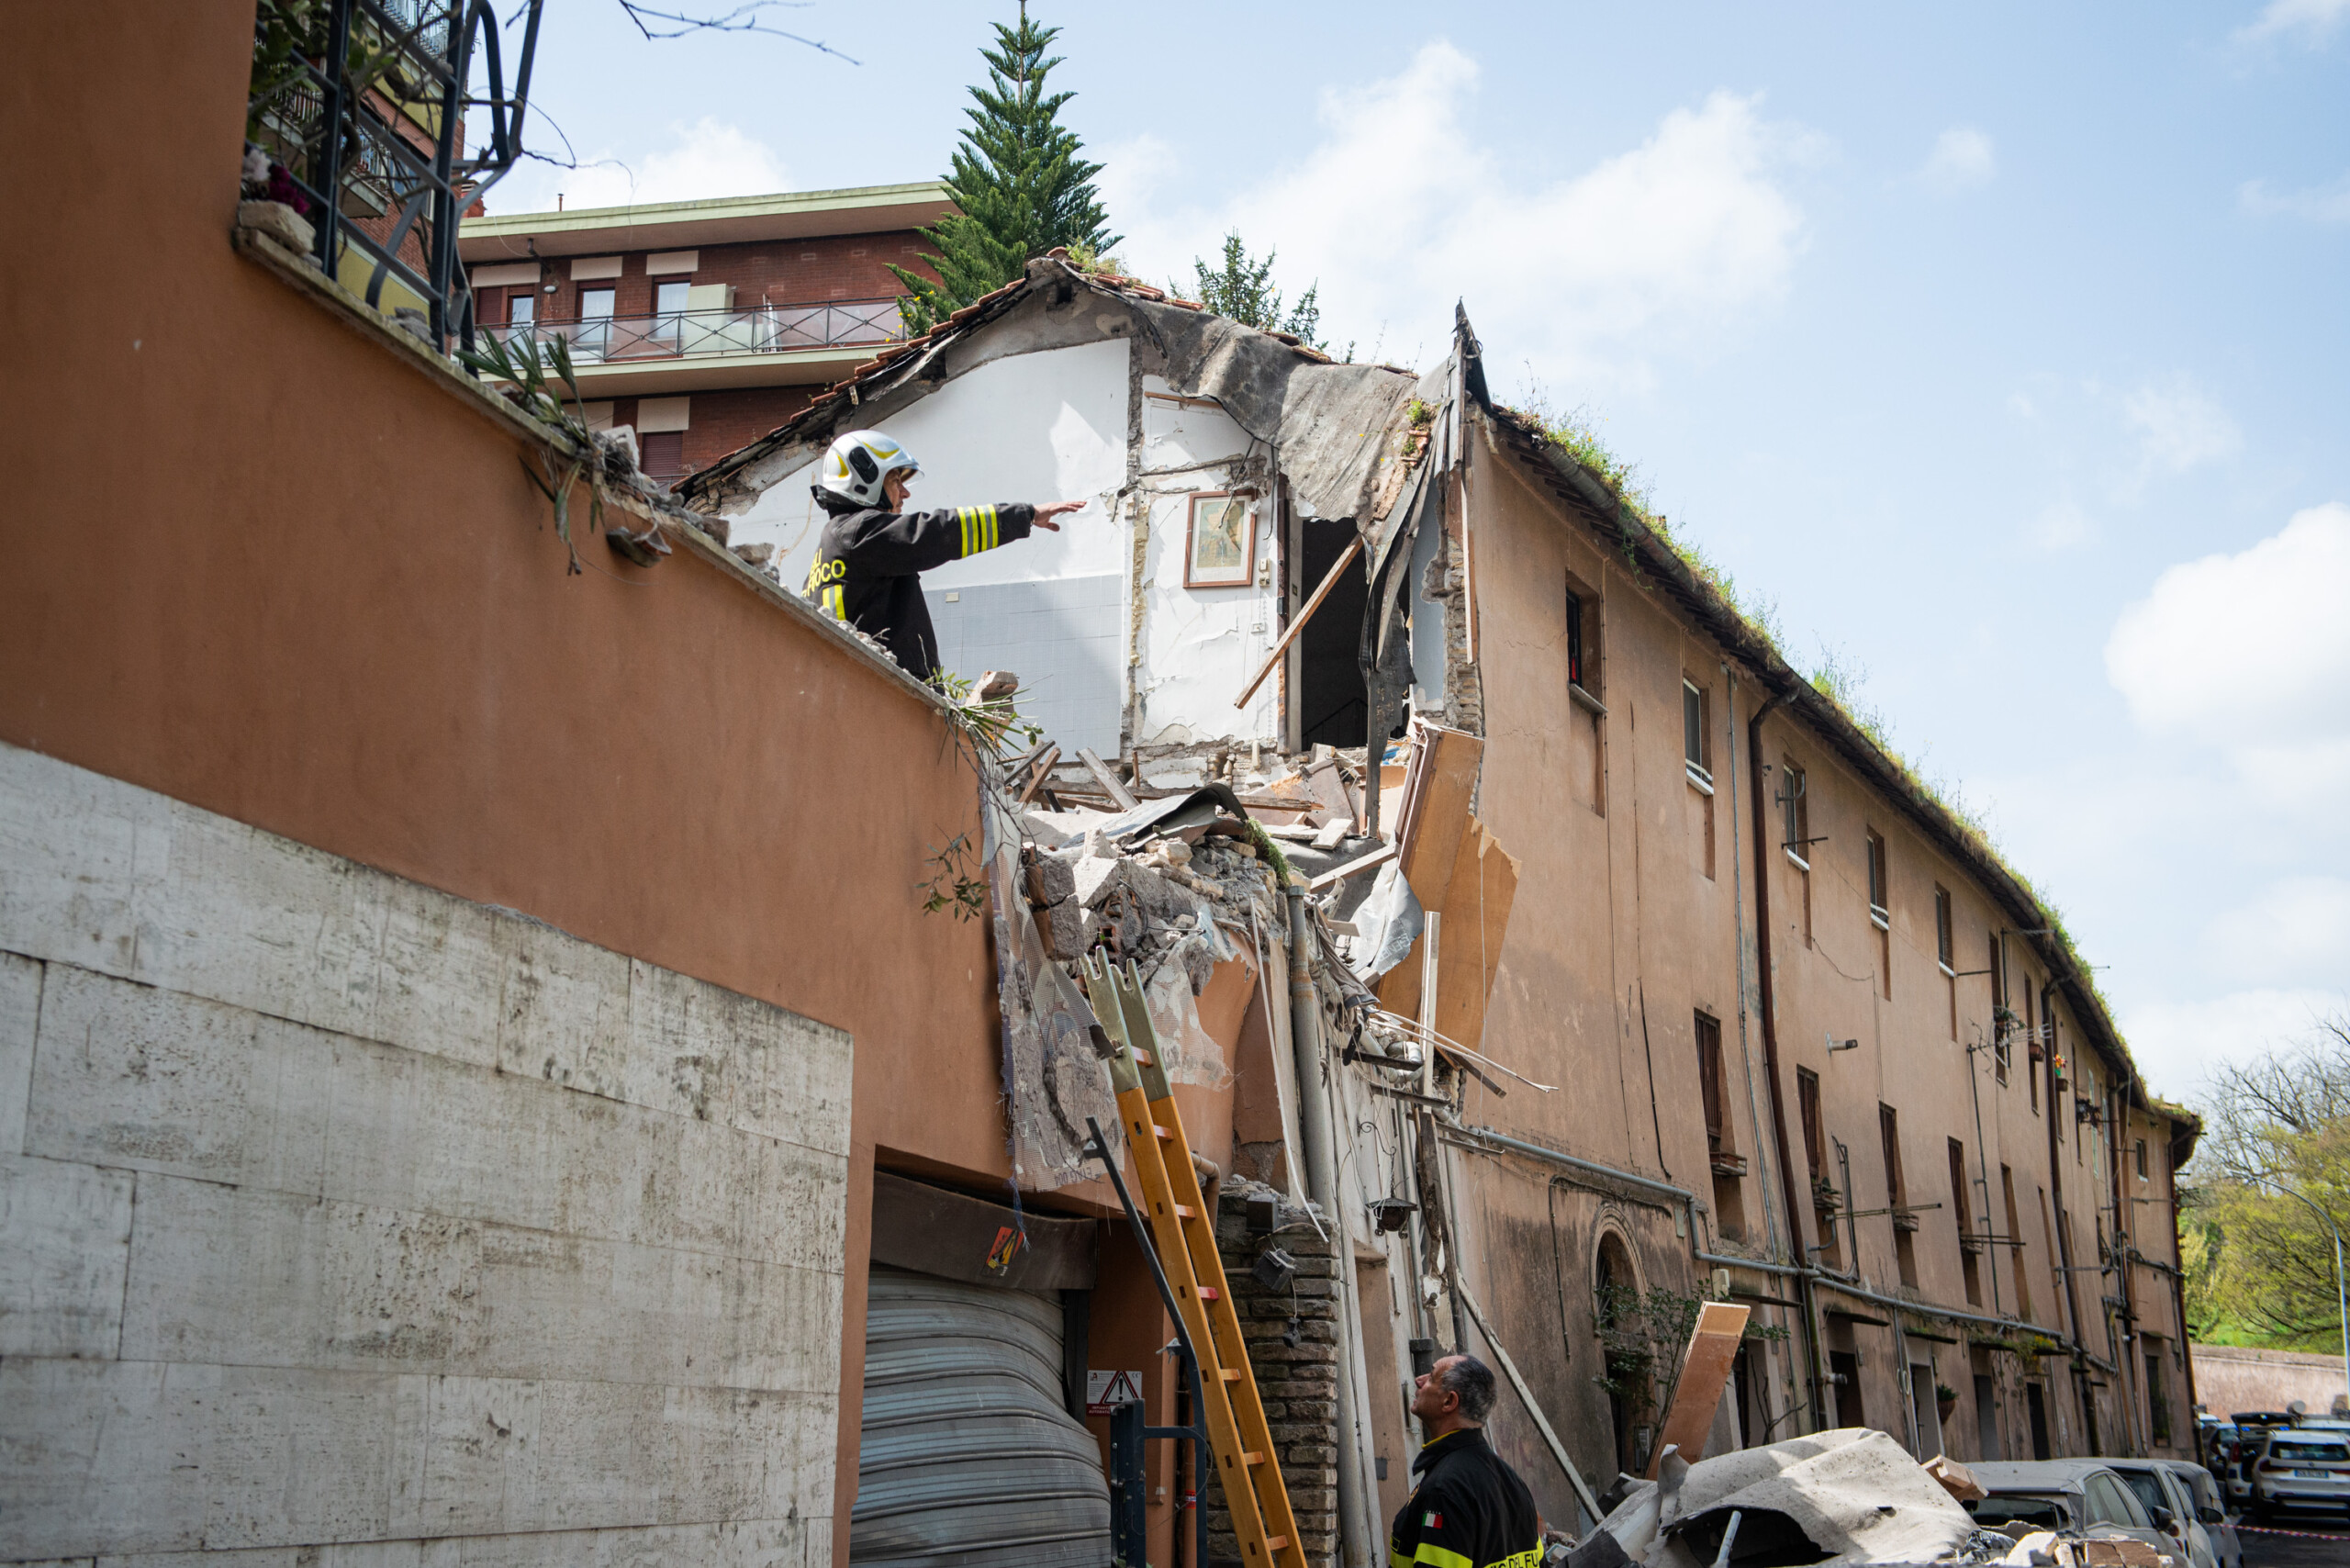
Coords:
401,1216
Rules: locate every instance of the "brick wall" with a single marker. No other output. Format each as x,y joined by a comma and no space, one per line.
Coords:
1298,1382
778,272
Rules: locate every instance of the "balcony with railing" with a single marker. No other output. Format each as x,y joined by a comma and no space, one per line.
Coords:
623,341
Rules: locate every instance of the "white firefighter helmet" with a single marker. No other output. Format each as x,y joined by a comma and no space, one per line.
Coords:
859,461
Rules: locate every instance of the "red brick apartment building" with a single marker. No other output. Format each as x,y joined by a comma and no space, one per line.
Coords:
703,324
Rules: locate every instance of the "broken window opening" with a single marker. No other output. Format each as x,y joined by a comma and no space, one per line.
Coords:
1333,706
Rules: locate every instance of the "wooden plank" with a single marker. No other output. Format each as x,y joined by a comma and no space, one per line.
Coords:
1329,581
1112,785
1338,874
1705,1372
1042,769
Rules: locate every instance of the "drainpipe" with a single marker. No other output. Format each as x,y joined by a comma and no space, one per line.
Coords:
1356,1537
1771,1052
2081,1392
2124,1226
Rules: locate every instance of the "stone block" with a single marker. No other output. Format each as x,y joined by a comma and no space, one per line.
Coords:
20,1017
64,1243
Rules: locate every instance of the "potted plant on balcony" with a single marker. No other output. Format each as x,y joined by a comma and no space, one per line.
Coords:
1945,1400
1824,1195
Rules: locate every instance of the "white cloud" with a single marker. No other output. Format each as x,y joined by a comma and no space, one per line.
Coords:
708,158
1397,210
2249,654
2313,21
2323,204
2177,1044
2178,427
2298,930
1961,157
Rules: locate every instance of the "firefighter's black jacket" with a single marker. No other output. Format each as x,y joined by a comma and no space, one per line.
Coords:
867,567
1468,1509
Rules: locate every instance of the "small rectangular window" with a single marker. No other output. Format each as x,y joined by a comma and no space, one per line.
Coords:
1574,639
1696,732
521,309
1795,813
1709,1080
1815,1140
1878,897
2139,1155
1945,948
669,298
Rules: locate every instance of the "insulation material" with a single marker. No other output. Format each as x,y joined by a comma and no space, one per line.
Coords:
1192,1054
1329,420
1853,1496
1052,1078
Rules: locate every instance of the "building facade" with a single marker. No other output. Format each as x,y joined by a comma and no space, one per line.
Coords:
700,325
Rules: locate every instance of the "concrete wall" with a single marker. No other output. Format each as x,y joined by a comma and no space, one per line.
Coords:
2229,1378
341,1210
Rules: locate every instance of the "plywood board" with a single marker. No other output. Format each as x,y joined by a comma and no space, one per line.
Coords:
1705,1372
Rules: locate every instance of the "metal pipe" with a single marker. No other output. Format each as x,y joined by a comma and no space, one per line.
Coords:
1358,1536
2081,1394
1765,997
1573,1162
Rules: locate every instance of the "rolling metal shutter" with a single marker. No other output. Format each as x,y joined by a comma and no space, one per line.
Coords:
967,1457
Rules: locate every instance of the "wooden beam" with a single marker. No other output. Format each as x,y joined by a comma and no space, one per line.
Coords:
1329,581
1111,783
1338,874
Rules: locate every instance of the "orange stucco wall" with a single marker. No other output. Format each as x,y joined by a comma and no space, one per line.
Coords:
257,562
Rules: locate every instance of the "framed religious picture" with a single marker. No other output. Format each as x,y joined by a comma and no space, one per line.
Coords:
1220,548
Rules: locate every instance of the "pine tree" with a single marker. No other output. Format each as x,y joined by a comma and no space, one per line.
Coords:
1020,182
1243,289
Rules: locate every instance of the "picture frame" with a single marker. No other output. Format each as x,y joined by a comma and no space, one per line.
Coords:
1220,540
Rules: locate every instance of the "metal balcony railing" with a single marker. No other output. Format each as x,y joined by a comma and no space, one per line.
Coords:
687,334
364,104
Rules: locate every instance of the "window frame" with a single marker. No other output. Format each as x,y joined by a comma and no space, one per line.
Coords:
1880,881
1696,734
1945,931
1795,812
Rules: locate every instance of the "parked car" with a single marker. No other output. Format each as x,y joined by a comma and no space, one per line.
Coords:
2252,1428
2076,1497
2224,1459
2210,1509
2158,1487
2301,1470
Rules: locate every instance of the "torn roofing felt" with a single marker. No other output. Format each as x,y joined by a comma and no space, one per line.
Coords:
1326,423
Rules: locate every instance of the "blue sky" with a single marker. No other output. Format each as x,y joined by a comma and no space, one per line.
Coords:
2005,351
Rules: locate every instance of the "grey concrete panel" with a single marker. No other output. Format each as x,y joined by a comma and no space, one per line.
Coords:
64,1239
1063,639
128,1456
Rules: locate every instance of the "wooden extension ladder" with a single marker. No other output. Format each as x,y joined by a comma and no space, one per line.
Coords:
1185,1238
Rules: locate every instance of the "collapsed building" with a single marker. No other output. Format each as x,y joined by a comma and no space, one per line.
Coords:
1777,1027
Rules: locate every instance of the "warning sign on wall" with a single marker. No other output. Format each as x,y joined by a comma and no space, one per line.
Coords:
1105,1391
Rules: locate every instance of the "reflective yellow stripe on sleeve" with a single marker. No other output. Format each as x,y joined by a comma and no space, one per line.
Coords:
995,529
834,602
1397,1560
1437,1557
969,519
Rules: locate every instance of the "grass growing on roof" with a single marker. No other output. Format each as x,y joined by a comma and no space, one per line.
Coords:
1837,680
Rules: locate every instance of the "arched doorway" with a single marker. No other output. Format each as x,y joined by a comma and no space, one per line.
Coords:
1616,1291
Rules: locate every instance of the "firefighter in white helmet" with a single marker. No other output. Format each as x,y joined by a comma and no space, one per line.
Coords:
868,563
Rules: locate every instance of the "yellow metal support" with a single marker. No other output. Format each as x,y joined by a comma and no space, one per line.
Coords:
1185,1238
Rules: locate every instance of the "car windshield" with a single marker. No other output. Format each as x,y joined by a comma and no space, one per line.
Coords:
2302,1448
2149,1489
2018,1508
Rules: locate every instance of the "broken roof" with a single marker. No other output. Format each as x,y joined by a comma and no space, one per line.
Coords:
1326,424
